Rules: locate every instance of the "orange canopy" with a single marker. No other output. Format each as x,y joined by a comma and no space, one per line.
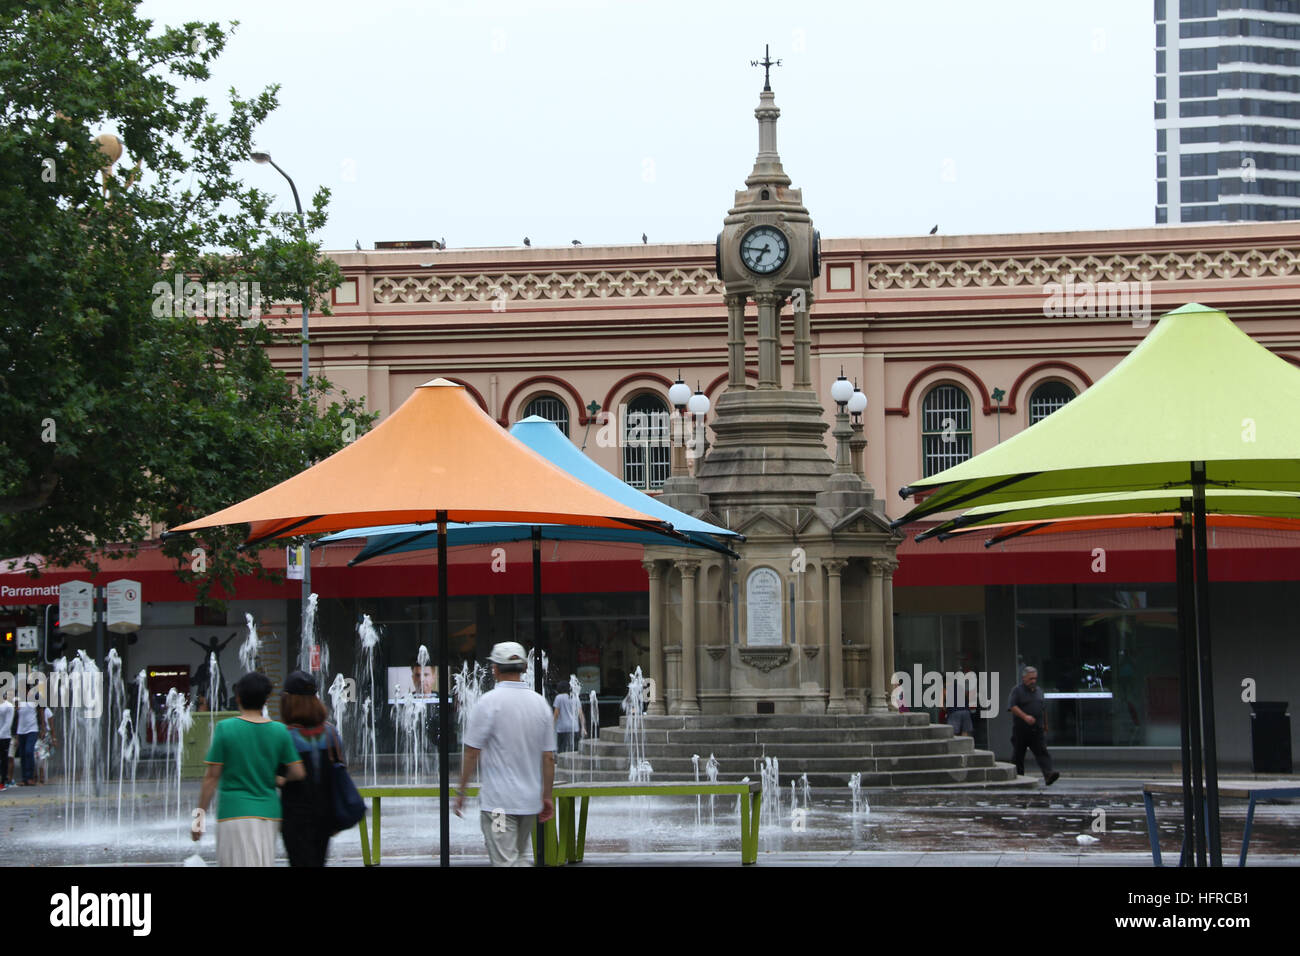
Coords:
439,452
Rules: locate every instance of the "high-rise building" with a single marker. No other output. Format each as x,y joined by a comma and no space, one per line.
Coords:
1227,110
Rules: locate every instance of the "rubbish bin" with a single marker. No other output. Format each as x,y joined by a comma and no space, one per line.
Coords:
194,745
1270,736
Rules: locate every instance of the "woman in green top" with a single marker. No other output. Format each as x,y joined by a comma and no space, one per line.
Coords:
244,761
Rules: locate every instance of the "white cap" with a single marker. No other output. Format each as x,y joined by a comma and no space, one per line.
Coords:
508,652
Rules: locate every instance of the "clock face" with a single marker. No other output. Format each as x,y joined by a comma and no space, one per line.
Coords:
764,249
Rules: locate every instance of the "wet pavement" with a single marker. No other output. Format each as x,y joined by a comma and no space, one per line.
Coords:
947,827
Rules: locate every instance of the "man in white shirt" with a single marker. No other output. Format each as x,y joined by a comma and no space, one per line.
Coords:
511,728
6,735
30,725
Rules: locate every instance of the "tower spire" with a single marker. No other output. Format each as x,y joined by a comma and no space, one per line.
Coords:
767,166
766,63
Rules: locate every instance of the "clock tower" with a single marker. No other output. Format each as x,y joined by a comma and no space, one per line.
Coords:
800,621
769,447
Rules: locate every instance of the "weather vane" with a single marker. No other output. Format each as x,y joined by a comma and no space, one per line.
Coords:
766,63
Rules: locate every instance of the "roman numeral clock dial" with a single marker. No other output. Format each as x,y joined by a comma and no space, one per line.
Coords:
764,250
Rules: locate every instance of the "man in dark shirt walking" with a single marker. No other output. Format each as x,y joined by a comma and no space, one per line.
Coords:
1029,725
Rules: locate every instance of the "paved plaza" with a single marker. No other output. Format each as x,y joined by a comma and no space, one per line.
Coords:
939,827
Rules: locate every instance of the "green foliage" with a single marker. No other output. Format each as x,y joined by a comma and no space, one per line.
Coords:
121,412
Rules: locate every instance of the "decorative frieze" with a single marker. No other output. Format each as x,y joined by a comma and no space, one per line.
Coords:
529,286
1140,267
765,658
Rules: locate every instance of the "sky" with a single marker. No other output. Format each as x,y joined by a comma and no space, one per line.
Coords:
484,122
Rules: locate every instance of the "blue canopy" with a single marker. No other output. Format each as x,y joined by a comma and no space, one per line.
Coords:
548,441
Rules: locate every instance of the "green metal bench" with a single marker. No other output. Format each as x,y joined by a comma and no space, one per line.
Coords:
572,835
566,831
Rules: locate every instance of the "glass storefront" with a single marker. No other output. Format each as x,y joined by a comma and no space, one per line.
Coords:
1107,660
941,643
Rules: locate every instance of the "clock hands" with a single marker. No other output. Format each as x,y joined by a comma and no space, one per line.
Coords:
762,251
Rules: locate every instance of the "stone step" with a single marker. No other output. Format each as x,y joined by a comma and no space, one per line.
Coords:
783,750
999,775
757,736
757,721
789,766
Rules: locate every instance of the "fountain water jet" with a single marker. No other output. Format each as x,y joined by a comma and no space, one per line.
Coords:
638,767
252,646
368,638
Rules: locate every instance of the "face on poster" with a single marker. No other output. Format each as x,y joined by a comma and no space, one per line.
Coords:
416,680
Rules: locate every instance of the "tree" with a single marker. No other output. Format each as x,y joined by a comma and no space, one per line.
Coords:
122,410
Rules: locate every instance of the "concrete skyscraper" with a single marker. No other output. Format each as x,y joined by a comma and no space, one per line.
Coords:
1227,110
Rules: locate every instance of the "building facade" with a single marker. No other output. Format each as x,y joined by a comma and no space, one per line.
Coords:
1227,110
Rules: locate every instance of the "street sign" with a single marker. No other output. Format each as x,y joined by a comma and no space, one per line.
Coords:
76,607
123,606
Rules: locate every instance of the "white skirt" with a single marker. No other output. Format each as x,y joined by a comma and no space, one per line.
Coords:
246,841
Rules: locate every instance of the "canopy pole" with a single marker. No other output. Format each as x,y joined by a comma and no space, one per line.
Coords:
539,641
444,696
1201,550
1187,722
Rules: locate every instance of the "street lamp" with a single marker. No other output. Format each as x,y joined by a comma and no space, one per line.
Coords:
841,393
263,158
679,395
699,406
857,404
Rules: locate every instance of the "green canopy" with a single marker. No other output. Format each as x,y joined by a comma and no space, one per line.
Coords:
1197,406
1196,389
1239,501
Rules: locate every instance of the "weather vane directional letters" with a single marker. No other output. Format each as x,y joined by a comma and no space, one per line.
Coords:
766,63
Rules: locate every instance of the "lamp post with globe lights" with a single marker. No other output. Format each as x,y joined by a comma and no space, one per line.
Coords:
679,395
263,158
841,394
857,404
698,406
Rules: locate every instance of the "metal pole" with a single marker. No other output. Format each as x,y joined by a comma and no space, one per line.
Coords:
1186,624
444,695
1193,665
1201,553
539,648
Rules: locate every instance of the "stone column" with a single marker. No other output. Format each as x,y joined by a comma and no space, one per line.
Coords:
835,637
735,341
857,445
878,698
890,568
803,341
690,702
657,670
769,339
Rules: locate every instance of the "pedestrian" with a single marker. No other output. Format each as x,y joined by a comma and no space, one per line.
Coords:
45,745
570,722
308,804
6,736
513,729
29,724
1029,725
959,710
244,763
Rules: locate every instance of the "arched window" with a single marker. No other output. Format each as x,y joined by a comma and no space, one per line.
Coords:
1047,398
646,452
945,429
550,408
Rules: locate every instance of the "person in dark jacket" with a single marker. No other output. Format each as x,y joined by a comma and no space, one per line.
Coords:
307,805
